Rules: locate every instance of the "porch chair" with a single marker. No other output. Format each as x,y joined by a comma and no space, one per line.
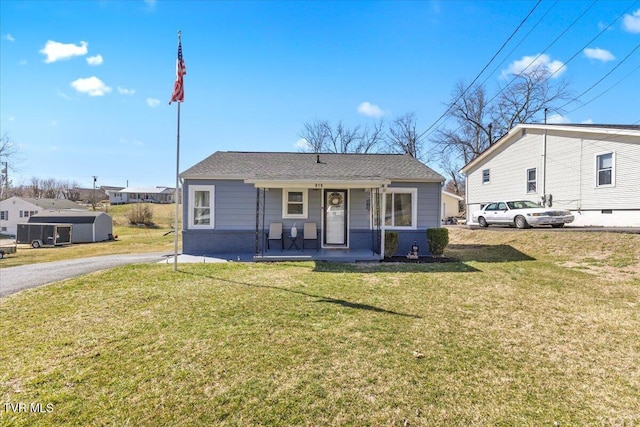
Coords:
275,233
310,233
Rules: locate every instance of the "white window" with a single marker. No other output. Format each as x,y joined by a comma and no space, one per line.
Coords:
201,206
486,176
401,208
605,170
294,203
532,181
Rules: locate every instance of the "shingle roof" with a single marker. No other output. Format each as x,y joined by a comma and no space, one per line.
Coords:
53,203
305,166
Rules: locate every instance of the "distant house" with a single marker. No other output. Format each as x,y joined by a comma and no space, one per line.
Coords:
450,206
88,226
233,199
591,170
142,195
16,210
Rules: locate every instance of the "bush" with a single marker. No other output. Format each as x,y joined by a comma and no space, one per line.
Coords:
390,243
140,214
438,240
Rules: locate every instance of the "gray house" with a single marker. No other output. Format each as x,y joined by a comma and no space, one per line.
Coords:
236,202
88,226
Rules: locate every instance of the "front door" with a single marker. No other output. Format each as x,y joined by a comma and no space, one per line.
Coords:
335,218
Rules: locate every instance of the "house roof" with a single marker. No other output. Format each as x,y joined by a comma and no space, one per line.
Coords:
272,166
603,129
52,203
66,217
146,190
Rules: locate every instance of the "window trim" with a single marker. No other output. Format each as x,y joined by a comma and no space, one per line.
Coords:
534,181
488,181
414,208
212,197
305,203
597,170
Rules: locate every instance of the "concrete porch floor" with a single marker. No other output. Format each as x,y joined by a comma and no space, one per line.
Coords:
334,255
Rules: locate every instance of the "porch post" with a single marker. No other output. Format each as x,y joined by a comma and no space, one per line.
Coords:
255,246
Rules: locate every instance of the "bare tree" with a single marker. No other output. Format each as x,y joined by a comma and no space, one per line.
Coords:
403,136
9,157
322,137
478,121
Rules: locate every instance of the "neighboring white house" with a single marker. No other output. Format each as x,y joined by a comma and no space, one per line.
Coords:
18,210
450,206
592,170
142,195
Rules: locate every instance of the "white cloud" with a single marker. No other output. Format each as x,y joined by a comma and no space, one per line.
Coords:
54,123
631,23
134,142
558,119
12,118
92,86
124,91
599,54
9,37
370,110
529,64
302,144
56,51
64,95
152,102
22,62
587,122
95,60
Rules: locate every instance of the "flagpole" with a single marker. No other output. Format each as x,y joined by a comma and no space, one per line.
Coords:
175,226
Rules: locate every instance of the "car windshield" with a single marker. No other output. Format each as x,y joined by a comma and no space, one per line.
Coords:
522,204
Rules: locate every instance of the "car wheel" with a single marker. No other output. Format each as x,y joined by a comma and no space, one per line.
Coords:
1,255
482,222
35,244
521,222
557,225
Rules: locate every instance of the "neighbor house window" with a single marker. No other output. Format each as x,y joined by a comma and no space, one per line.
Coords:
4,215
201,206
531,181
486,176
294,203
605,170
401,208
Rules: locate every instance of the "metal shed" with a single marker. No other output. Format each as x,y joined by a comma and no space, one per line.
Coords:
88,226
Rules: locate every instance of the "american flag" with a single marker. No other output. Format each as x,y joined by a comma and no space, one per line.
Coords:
181,70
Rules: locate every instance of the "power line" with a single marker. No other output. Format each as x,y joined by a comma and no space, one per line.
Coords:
483,69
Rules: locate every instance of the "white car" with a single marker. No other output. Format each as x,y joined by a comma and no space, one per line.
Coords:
522,214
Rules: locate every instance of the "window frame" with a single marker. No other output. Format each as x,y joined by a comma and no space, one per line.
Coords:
488,180
212,196
305,203
414,208
597,156
534,181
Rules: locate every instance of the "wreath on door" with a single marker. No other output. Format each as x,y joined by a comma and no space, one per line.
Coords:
335,199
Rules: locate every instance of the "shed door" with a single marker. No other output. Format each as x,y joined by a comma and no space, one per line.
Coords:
335,217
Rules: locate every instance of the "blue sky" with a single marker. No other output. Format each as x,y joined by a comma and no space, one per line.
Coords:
84,85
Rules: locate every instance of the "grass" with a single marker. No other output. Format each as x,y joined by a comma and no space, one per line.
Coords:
131,239
526,330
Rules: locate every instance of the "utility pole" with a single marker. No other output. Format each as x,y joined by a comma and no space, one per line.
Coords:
4,182
95,178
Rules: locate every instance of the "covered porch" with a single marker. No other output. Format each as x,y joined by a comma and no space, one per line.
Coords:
344,217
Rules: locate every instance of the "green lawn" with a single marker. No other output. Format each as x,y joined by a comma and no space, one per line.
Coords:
529,329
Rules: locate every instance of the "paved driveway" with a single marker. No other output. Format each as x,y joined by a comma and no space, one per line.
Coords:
16,279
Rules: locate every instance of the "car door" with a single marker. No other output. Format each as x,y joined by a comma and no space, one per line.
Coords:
491,213
502,213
